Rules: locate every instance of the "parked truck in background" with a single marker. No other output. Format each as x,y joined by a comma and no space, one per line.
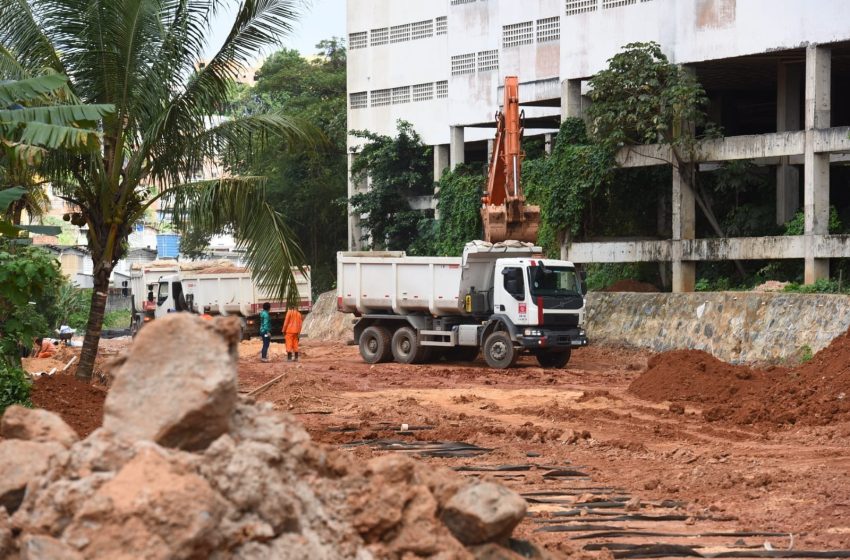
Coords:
501,299
161,289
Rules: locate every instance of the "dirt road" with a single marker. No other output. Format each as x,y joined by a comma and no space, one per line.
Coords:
601,467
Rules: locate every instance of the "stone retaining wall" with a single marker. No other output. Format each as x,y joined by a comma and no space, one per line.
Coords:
733,326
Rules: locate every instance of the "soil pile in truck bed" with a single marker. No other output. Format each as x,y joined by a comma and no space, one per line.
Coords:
814,393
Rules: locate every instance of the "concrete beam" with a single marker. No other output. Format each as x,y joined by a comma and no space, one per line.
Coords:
736,248
763,148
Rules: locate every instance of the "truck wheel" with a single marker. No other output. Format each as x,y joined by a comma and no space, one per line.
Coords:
375,345
499,351
554,360
406,349
461,354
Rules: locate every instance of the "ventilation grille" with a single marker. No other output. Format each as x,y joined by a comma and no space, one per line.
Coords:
442,25
401,95
442,89
379,36
423,92
518,34
459,2
581,6
359,100
607,4
488,60
381,97
399,33
549,29
422,29
358,40
463,64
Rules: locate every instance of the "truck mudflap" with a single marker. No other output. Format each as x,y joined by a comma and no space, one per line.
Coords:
533,338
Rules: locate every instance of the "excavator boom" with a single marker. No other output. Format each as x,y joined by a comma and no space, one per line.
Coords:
504,211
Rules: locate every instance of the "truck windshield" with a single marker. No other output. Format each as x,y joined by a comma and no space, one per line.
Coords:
553,281
163,293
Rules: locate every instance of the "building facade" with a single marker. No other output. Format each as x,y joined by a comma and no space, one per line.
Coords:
771,68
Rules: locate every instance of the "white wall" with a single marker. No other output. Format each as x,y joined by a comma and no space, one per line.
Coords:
699,30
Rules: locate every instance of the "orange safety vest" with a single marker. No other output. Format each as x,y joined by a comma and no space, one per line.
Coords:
292,322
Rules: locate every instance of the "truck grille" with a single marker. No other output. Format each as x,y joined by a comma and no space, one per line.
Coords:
568,302
559,320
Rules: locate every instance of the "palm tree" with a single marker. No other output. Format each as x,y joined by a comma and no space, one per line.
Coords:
141,57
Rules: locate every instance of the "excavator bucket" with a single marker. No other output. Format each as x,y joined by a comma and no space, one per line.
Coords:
497,226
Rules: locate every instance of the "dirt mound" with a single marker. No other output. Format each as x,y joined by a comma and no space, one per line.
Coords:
80,404
254,486
815,393
630,286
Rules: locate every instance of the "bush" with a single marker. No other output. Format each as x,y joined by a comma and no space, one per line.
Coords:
822,286
14,387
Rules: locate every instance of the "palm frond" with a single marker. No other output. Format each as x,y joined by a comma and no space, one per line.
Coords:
55,137
10,68
8,196
31,89
22,34
56,114
237,204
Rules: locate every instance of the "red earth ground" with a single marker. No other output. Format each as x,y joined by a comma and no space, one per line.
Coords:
622,448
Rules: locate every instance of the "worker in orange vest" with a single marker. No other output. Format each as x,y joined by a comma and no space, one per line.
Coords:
44,348
291,332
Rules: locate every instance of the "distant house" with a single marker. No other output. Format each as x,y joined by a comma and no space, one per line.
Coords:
75,263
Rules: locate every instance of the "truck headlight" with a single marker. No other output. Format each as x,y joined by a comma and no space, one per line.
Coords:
532,332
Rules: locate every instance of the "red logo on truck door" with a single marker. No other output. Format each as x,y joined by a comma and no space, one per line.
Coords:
522,308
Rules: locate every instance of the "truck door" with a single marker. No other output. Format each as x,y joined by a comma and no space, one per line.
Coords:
510,295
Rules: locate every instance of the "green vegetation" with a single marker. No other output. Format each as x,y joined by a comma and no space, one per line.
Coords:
308,187
397,169
29,282
806,354
459,206
139,58
15,387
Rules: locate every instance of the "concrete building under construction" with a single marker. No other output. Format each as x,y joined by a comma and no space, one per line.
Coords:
771,69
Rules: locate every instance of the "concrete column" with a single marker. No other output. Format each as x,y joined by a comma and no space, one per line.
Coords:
789,80
458,155
816,166
441,163
684,227
547,143
355,242
571,102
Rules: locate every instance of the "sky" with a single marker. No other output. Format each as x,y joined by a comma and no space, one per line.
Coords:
323,19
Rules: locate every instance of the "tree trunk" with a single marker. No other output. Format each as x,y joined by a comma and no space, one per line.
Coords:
98,309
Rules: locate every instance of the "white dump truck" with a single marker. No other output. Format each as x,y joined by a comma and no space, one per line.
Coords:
503,298
162,289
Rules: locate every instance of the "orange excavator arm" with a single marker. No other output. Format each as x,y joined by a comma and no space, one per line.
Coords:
504,211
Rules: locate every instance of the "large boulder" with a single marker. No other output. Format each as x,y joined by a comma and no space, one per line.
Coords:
20,462
177,386
36,425
483,512
40,547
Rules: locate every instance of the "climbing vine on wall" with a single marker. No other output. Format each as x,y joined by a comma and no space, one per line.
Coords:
459,207
565,183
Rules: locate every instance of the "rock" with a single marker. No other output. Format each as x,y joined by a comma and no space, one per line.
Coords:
20,462
633,504
36,425
156,506
40,547
6,543
677,408
483,512
178,384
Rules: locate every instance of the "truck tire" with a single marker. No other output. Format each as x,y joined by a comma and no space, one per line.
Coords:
406,349
499,351
461,354
375,345
553,359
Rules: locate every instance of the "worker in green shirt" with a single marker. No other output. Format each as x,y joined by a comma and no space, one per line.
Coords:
265,331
